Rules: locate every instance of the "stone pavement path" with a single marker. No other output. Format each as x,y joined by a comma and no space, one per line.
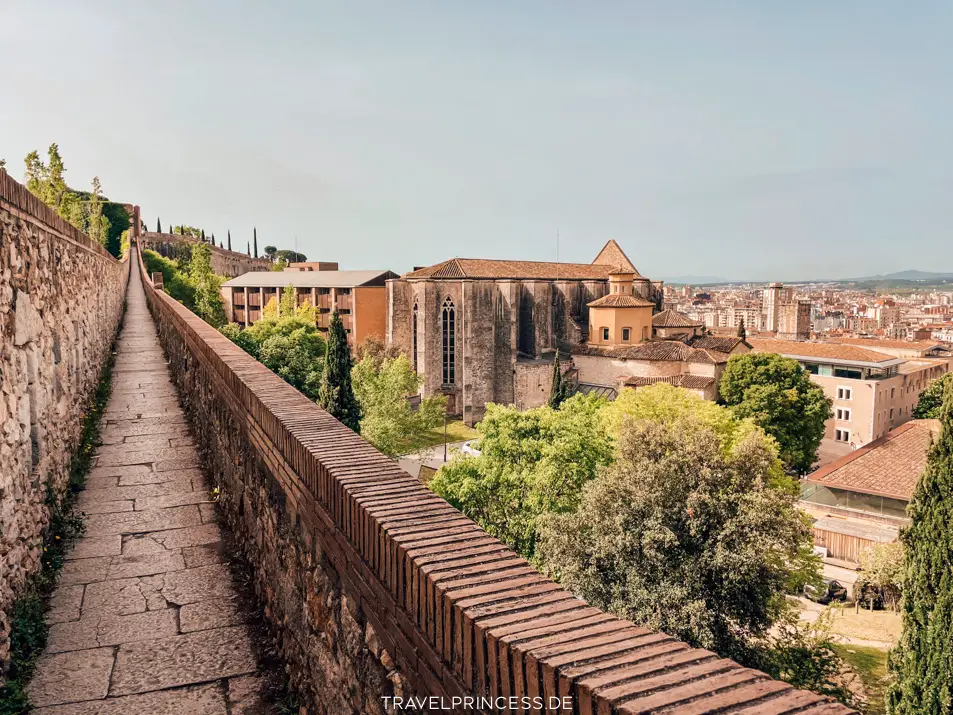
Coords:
145,618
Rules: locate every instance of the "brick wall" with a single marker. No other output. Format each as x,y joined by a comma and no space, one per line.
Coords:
224,262
378,587
61,299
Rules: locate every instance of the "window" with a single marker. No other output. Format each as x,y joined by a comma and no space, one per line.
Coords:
843,414
893,392
626,333
851,373
891,413
842,435
449,332
844,393
415,337
344,291
605,333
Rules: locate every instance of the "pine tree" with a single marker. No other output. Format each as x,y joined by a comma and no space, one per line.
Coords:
742,333
158,225
229,240
255,237
336,393
922,662
558,393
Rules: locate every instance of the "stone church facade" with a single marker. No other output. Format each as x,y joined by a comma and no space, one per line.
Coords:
484,331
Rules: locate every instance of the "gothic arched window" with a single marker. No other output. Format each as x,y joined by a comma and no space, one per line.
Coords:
448,332
415,336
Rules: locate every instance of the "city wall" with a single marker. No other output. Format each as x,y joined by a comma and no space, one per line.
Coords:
377,588
224,262
61,300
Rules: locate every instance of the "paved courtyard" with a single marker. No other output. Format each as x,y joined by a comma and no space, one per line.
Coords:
145,618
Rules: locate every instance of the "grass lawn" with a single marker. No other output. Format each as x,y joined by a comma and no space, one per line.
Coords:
456,432
882,626
871,665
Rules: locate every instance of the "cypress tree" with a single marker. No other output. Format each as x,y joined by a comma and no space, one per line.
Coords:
249,249
558,392
158,225
255,238
336,394
922,662
203,236
742,333
229,240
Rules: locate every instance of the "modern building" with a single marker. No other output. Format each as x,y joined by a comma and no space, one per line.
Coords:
794,320
872,392
482,330
359,297
771,299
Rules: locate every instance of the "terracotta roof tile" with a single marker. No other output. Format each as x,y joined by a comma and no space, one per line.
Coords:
654,350
481,268
621,300
690,382
829,351
888,467
713,342
673,319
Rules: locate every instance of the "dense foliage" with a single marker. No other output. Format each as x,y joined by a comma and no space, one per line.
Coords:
89,211
922,662
778,394
682,535
383,382
189,279
286,340
561,389
931,399
532,462
336,393
881,574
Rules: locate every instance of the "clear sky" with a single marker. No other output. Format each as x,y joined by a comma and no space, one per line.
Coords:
749,139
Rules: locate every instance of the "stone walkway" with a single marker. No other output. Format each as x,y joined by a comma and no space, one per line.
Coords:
145,618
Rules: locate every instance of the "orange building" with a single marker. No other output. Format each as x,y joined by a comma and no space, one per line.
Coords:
359,297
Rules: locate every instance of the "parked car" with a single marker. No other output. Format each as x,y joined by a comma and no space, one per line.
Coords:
471,447
830,590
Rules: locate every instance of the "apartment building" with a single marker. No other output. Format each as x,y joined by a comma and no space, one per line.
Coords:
771,299
359,297
794,320
872,392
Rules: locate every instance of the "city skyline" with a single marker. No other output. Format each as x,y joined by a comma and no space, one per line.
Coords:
715,140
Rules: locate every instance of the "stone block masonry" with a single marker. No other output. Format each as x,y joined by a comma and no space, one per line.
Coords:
378,589
61,299
224,262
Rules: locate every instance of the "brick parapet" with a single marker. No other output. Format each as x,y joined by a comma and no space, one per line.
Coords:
419,599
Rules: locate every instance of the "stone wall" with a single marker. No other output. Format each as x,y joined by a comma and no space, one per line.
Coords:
378,588
61,299
224,262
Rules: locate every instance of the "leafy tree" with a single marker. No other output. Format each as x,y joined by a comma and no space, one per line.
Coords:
683,536
290,256
197,233
289,345
382,386
208,287
931,399
742,333
881,569
336,394
270,251
922,662
175,281
560,390
97,225
531,463
3,165
778,394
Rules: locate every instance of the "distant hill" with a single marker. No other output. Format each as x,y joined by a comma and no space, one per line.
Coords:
911,275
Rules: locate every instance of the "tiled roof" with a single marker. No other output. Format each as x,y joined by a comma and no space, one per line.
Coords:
690,382
621,300
613,255
887,467
481,268
308,279
713,342
828,351
913,345
673,319
654,350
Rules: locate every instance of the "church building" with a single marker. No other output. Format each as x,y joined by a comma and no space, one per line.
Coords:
482,331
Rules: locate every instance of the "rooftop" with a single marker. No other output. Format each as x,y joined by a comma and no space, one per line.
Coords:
823,351
621,300
309,279
887,467
654,350
673,319
691,382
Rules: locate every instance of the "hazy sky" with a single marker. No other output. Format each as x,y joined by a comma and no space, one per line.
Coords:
751,139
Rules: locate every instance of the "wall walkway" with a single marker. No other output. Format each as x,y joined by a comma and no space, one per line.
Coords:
145,618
